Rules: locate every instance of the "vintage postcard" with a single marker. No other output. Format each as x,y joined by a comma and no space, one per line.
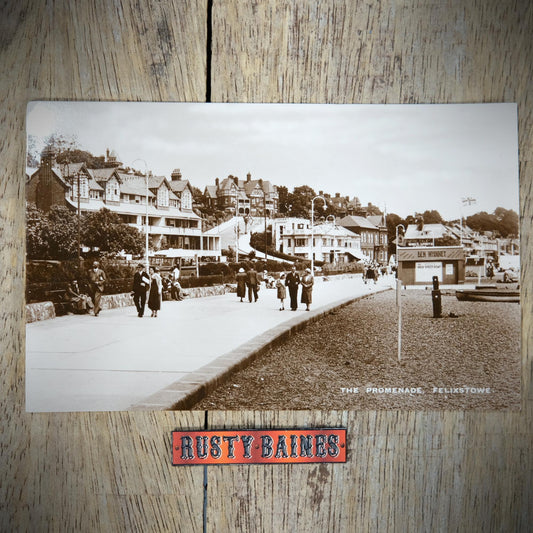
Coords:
272,256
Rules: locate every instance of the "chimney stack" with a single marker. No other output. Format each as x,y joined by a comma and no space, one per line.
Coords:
217,181
176,175
248,177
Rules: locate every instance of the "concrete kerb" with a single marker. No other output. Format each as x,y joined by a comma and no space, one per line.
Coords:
186,392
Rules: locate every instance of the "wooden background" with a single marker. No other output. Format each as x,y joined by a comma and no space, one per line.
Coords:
406,471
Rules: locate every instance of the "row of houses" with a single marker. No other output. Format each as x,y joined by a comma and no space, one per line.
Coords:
173,223
167,204
342,240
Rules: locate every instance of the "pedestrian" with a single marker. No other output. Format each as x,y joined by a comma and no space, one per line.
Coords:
282,292
307,288
490,270
370,273
252,282
156,291
292,281
141,284
175,273
241,278
97,279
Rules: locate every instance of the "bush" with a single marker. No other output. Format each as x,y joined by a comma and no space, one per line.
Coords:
204,281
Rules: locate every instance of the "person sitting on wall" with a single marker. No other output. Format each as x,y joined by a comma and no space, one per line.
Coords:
79,303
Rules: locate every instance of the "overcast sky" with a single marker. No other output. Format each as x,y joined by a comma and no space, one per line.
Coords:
408,158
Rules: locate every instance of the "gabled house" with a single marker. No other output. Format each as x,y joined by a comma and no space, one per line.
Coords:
370,236
243,197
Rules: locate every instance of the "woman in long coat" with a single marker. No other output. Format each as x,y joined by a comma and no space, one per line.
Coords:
156,291
241,284
307,288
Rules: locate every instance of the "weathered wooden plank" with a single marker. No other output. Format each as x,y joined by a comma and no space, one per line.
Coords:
87,471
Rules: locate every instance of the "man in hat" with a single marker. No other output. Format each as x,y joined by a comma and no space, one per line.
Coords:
141,284
97,280
292,281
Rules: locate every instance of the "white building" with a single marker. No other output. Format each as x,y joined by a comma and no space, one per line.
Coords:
327,242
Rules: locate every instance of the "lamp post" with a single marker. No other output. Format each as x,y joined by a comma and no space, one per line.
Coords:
236,235
313,231
403,228
79,223
265,215
146,219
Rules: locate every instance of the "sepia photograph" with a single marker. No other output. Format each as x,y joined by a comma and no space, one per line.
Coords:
187,256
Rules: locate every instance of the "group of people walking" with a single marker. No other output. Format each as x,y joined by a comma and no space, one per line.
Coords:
248,282
148,287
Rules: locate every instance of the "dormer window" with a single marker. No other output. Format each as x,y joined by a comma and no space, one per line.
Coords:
186,199
162,197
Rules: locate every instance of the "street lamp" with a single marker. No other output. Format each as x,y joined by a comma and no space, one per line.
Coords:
146,219
236,234
265,215
313,231
403,228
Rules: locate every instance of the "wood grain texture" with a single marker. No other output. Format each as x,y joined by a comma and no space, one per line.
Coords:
445,471
87,471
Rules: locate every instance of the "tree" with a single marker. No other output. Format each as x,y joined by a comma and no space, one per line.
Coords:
32,155
432,217
300,200
52,235
36,241
508,222
62,232
283,199
105,230
392,221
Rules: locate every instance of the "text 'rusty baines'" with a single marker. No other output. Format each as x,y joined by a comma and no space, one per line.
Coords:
259,446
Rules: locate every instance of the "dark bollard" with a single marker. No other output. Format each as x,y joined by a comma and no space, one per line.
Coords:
435,297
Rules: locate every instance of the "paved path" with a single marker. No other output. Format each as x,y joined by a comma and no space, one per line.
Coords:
117,360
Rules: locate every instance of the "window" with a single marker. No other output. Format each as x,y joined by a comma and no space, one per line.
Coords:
186,199
162,196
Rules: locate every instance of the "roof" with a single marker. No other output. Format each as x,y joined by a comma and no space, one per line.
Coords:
94,185
211,191
429,231
137,187
227,183
377,220
71,169
356,221
154,182
181,185
104,174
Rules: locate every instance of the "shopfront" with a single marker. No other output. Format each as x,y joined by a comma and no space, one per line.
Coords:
418,265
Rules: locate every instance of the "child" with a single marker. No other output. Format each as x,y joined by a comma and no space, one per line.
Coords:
282,292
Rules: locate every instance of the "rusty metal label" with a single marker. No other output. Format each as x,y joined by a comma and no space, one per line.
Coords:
258,446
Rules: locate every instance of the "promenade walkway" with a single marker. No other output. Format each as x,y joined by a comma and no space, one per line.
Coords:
117,361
